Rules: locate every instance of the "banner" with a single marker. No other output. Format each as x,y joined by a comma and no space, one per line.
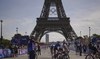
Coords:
1,53
7,53
22,51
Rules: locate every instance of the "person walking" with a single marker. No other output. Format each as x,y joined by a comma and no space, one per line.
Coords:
11,49
51,49
77,45
31,49
39,49
16,50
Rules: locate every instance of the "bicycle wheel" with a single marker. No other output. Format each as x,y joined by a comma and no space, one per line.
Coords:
97,56
52,56
60,57
66,57
36,56
89,57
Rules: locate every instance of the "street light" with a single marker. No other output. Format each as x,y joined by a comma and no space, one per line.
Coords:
89,34
1,31
80,33
17,30
89,31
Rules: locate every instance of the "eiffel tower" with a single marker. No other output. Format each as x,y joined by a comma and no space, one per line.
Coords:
58,23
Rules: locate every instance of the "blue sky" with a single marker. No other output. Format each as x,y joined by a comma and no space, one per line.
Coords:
23,14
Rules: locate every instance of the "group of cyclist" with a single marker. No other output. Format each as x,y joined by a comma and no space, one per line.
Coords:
58,49
92,47
63,47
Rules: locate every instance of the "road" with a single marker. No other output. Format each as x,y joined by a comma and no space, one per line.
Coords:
46,55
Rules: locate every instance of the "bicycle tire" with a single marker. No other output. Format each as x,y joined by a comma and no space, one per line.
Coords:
90,57
66,57
36,56
97,56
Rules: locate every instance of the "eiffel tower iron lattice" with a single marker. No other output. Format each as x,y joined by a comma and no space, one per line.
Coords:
46,24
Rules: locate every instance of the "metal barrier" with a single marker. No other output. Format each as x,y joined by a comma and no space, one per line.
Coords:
4,53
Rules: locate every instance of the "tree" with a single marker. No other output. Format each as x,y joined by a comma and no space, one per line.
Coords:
96,35
5,42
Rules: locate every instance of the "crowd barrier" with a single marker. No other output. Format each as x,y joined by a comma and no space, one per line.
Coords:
4,53
1,53
22,51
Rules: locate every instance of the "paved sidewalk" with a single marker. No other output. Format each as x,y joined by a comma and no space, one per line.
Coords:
46,55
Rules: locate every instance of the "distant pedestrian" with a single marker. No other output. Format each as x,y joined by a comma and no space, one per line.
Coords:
39,49
15,51
31,49
84,49
80,46
11,49
51,49
80,49
77,45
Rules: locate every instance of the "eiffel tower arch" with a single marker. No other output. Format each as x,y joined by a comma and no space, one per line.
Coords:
59,23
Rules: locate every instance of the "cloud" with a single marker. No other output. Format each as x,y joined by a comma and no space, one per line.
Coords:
23,14
86,18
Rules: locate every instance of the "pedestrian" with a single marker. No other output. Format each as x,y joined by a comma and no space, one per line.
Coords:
15,51
84,49
51,49
80,46
77,45
39,49
31,49
80,49
11,49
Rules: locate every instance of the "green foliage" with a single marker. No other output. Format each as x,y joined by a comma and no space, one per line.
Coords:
96,35
6,42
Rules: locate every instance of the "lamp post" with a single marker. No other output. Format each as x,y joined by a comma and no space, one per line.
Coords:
16,30
89,33
80,33
1,31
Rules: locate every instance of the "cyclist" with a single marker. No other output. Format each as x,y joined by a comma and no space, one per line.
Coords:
65,46
98,49
57,46
57,49
98,45
93,49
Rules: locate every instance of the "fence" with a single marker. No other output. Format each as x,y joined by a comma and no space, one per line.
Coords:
4,53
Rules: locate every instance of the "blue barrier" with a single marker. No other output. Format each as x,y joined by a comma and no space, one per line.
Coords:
22,51
1,53
5,53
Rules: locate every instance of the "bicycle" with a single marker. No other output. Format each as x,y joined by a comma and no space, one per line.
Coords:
97,56
66,55
92,56
89,56
62,55
36,55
